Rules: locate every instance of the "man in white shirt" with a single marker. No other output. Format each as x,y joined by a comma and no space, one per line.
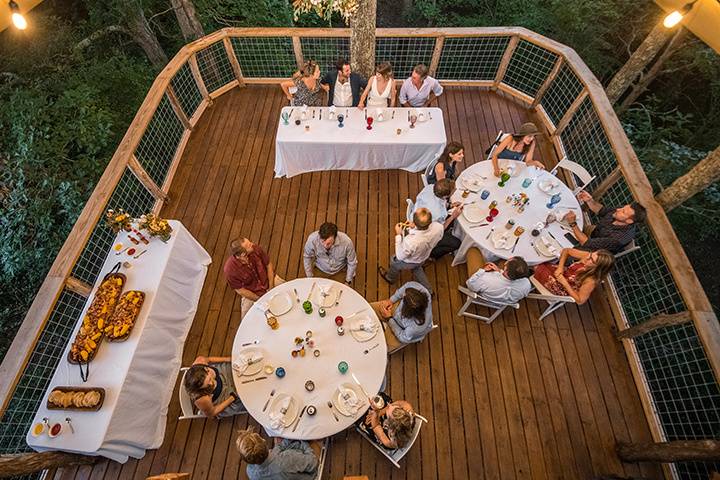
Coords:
412,249
345,86
419,90
435,197
505,285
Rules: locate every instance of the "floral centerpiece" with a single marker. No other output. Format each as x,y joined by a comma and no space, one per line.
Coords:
118,220
155,226
325,8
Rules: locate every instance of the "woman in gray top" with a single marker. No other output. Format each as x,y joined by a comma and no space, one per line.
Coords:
408,313
209,384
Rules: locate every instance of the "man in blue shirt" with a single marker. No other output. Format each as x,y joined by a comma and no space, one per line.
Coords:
288,460
435,198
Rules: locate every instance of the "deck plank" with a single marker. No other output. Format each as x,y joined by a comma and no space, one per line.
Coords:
517,399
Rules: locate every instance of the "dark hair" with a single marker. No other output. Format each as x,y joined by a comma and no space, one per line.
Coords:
640,214
451,149
517,268
341,63
194,380
422,218
443,188
328,230
421,70
236,248
385,69
414,304
526,146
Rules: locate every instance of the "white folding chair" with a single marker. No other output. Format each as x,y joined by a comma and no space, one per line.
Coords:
578,170
321,460
434,326
410,209
629,248
186,405
499,138
396,455
554,301
477,299
428,171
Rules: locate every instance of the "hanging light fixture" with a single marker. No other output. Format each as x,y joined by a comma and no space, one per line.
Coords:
674,17
17,17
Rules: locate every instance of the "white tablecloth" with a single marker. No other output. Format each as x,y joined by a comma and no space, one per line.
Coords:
138,375
276,347
535,211
353,147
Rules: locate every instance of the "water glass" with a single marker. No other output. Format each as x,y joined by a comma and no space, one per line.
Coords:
526,183
285,116
485,194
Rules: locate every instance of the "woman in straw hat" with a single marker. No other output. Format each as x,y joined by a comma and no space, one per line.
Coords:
519,146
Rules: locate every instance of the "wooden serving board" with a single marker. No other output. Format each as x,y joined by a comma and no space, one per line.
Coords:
101,391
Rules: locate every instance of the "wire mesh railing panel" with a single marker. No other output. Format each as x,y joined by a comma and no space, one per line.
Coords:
529,66
265,57
158,144
186,90
131,196
404,53
326,51
561,94
586,143
215,66
471,58
35,379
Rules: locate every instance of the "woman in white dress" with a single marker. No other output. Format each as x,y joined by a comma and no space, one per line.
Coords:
380,89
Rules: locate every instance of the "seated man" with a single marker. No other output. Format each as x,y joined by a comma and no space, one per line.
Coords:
289,459
505,285
420,90
346,87
249,272
414,248
408,314
332,252
615,228
435,197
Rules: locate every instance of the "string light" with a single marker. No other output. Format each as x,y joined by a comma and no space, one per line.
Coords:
674,17
17,18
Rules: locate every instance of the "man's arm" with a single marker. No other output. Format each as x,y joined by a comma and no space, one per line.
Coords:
579,235
352,263
244,292
308,258
403,96
271,276
590,201
431,99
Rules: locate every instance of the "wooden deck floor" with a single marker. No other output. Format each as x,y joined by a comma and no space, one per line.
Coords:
518,399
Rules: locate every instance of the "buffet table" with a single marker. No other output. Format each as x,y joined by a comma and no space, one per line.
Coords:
138,374
262,391
326,146
471,226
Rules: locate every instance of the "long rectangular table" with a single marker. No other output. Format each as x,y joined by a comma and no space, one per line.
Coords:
139,374
328,147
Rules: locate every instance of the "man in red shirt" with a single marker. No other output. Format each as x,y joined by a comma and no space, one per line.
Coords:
249,272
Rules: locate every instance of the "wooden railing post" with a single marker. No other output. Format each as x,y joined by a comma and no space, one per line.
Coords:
565,120
234,61
437,51
297,48
505,61
177,108
658,321
669,452
192,61
145,179
546,84
15,465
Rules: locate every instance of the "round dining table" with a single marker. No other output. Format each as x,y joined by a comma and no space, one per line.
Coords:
474,230
310,378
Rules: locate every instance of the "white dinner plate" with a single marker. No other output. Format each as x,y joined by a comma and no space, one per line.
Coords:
280,304
370,328
328,300
543,249
256,367
469,182
292,410
474,213
353,389
503,239
549,186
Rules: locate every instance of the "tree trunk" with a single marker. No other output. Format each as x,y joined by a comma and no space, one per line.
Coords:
647,78
86,42
190,26
701,176
27,463
362,42
143,35
667,452
637,62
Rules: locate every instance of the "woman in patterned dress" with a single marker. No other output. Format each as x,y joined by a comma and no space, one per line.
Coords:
309,91
580,278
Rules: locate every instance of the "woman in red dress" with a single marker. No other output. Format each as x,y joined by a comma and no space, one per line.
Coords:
579,279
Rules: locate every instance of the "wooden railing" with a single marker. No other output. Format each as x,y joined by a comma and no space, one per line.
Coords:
542,74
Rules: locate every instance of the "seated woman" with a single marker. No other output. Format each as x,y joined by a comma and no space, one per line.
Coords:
453,154
391,426
310,91
210,386
380,88
518,146
580,278
408,313
289,459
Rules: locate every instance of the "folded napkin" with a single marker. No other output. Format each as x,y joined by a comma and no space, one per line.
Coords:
245,360
277,415
350,400
366,327
551,248
264,306
332,108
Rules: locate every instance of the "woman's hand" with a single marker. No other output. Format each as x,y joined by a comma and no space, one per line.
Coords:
360,106
558,271
535,163
496,172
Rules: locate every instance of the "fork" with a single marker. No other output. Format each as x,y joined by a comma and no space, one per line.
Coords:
330,405
268,400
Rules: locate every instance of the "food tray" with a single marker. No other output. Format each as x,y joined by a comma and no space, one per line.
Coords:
101,391
134,311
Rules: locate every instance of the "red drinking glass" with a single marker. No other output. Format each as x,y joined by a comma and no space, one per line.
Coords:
369,122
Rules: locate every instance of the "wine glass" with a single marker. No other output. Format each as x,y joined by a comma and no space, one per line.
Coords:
340,118
413,119
285,116
369,122
504,177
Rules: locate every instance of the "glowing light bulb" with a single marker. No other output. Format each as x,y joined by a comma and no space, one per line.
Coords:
19,21
672,19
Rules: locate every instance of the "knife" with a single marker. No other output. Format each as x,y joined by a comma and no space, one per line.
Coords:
478,226
393,115
553,237
253,380
311,291
268,400
516,242
296,295
490,233
297,422
313,113
337,301
321,114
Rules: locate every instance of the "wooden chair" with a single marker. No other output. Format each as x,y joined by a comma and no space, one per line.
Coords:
321,460
629,248
499,138
396,455
410,209
554,301
478,299
577,170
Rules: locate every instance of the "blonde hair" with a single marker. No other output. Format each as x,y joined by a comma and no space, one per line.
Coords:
252,447
385,69
308,68
400,424
599,269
